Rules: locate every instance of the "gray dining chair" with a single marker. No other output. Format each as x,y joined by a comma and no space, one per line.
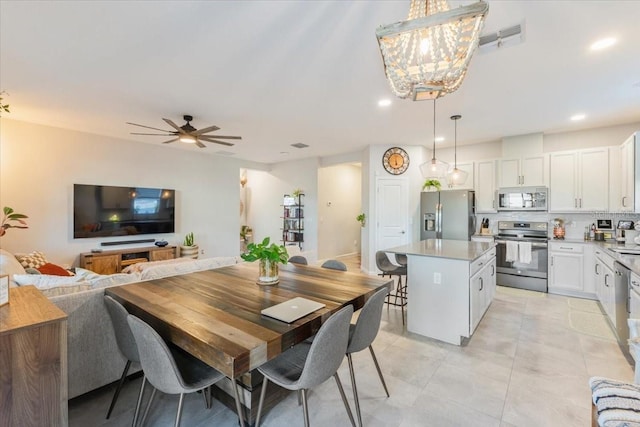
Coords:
334,265
126,344
170,369
387,268
298,259
362,335
308,365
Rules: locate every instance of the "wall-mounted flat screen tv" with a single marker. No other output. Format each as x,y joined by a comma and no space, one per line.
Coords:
105,211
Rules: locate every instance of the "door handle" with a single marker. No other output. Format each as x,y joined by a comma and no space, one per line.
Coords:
402,232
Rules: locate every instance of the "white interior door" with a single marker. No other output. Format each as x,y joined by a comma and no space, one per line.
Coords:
392,207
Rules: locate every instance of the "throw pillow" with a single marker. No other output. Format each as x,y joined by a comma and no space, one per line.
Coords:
33,260
53,270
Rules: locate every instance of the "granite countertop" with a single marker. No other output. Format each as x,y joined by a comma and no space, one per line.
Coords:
443,248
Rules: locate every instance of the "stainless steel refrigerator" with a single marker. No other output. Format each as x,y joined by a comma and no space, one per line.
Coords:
448,215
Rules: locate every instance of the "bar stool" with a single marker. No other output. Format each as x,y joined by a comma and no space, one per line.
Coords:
333,264
389,269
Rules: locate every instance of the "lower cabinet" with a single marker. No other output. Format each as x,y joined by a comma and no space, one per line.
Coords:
634,296
482,288
566,268
605,284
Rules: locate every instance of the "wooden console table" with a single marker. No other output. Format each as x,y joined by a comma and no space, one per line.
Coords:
111,262
33,361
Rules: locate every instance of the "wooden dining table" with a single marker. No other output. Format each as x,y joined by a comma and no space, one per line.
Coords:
215,315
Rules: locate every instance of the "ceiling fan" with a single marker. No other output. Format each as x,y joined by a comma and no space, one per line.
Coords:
187,133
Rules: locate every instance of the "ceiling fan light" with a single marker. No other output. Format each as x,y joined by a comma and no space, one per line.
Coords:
188,139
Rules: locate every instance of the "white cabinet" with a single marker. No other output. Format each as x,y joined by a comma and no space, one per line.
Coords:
579,180
468,184
634,297
605,283
482,288
627,174
485,186
525,171
566,268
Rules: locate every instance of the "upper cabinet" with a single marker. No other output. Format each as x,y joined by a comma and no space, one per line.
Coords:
627,174
527,171
579,180
485,186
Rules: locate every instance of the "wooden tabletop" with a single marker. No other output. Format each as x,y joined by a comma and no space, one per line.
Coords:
27,308
215,314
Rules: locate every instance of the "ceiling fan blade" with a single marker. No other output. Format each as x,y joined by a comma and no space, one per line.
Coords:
148,127
157,134
173,125
171,140
205,130
221,137
200,144
228,144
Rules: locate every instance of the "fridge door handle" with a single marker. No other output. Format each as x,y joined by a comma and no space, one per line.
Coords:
439,221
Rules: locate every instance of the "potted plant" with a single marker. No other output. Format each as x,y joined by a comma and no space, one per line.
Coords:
189,249
432,183
269,255
361,219
11,219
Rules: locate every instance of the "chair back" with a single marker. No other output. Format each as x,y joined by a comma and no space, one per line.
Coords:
298,259
334,265
401,259
368,323
124,337
156,359
383,263
327,349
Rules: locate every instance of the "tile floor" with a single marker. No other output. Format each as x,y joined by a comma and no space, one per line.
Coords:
527,364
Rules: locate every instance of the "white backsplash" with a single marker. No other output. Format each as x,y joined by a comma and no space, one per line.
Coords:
574,222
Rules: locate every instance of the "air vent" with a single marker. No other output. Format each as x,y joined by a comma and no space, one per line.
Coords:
299,145
505,37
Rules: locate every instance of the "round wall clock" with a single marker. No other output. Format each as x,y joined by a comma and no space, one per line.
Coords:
395,161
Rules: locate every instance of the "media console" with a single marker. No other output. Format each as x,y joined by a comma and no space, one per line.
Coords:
110,262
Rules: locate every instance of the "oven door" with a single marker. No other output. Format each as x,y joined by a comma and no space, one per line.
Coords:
536,268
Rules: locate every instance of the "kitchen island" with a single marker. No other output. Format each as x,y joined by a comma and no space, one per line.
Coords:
451,283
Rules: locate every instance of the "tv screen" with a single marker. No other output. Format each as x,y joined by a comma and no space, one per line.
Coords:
104,211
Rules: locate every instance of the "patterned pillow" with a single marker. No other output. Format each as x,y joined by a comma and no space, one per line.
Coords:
33,260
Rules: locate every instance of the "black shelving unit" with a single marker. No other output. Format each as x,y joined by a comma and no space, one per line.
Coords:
293,220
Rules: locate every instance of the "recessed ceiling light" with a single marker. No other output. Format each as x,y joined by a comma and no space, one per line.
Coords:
439,138
578,117
384,103
603,43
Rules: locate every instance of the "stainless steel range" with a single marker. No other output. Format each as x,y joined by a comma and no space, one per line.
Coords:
522,252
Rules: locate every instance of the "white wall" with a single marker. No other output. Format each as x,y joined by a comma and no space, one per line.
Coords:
339,189
40,164
265,191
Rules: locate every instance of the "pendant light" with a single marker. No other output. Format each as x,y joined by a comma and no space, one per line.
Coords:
434,168
456,176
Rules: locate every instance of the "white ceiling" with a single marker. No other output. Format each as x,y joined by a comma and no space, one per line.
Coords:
283,72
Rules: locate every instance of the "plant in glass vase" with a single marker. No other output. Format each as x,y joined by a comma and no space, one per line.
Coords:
12,219
269,255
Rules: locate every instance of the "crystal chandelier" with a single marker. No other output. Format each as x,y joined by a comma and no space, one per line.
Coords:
426,56
434,168
456,176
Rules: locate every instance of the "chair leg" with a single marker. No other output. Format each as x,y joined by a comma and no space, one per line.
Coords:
299,397
263,392
146,411
344,399
179,414
120,384
355,389
375,361
238,406
205,397
305,408
137,412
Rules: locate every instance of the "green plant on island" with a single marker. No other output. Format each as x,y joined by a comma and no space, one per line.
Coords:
188,239
297,192
361,219
432,183
12,219
272,252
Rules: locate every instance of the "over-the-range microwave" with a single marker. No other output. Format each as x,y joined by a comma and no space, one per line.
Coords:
522,199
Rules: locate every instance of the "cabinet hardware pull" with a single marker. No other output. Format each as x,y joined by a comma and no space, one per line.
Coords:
481,283
597,265
552,261
580,201
634,283
564,247
624,201
575,203
605,280
493,270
